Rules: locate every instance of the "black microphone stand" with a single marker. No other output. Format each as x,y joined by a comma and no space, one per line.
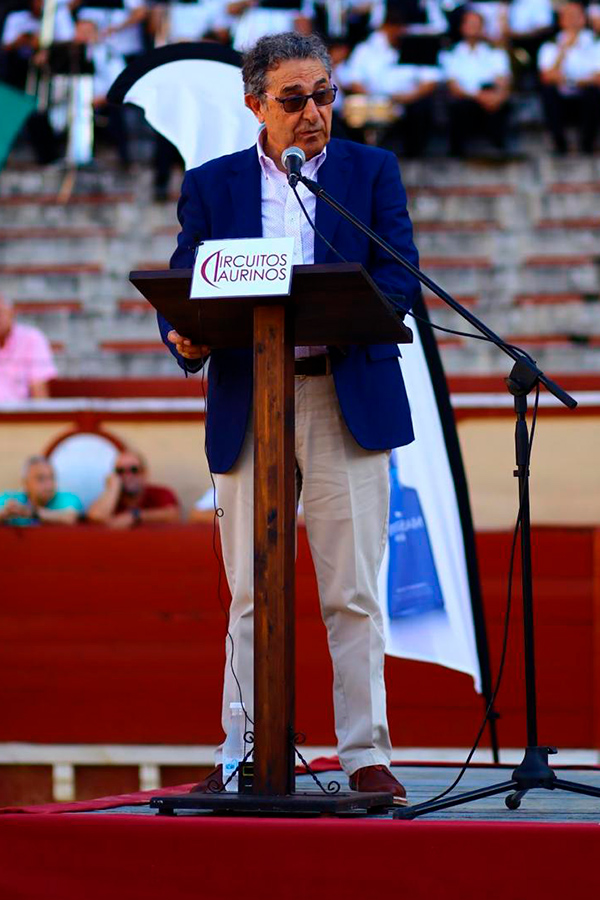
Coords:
534,770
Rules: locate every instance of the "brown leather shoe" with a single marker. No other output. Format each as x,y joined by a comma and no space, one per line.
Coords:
211,784
378,778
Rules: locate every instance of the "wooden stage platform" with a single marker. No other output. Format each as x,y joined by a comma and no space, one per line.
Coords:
549,848
425,781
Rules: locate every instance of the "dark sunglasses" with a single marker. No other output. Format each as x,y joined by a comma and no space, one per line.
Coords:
322,97
125,470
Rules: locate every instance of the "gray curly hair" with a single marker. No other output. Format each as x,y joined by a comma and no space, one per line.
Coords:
273,49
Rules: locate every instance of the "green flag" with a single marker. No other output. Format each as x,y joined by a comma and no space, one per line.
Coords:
15,107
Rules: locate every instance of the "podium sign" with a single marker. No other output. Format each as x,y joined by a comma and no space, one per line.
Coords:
256,267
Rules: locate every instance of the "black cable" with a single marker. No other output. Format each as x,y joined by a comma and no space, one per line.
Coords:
503,653
496,689
466,334
219,512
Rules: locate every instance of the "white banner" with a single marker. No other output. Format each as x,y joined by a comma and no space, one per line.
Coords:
424,584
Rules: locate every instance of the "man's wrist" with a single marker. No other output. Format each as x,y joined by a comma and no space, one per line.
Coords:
136,517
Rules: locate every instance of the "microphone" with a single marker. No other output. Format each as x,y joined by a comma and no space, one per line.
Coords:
293,158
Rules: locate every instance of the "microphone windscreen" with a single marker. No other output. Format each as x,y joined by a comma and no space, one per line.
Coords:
293,151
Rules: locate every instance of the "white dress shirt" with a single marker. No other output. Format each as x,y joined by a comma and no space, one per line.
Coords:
580,62
474,67
23,22
525,16
282,216
367,62
379,68
126,42
406,78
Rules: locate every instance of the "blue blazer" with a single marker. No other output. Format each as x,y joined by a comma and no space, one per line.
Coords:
222,199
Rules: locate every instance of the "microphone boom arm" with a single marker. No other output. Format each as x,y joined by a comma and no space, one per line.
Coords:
528,371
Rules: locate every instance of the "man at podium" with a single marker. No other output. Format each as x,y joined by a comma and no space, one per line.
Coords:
351,404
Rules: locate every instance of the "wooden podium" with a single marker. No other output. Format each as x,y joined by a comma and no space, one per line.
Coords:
328,305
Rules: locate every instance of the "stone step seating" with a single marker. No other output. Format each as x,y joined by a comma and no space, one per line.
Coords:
515,243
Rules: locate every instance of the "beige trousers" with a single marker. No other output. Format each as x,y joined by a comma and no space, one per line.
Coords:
345,495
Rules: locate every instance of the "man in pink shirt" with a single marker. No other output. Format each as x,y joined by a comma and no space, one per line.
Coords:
26,363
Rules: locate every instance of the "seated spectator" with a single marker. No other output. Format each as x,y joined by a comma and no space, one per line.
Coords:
19,50
350,21
428,17
128,500
569,70
120,28
20,37
193,21
478,77
26,363
39,502
107,66
526,20
258,18
360,73
375,68
527,24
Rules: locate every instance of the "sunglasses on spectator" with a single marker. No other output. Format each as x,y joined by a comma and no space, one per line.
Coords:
322,97
126,470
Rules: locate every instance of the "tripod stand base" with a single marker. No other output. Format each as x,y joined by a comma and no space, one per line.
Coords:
310,803
533,772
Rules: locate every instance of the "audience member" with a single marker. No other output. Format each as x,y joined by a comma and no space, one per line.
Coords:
39,502
192,21
527,24
120,28
429,16
107,66
390,75
26,364
569,70
128,500
350,21
375,68
19,52
20,39
361,73
478,77
258,18
526,20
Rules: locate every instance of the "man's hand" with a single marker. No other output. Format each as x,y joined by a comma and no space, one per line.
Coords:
185,347
12,509
492,99
122,520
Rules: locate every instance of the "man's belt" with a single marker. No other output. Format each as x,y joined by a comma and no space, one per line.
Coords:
313,365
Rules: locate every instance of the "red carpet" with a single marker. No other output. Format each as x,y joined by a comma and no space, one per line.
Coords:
95,856
320,766
100,856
